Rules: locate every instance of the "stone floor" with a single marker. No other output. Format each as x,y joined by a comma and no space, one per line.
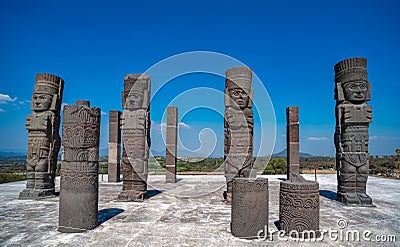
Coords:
191,212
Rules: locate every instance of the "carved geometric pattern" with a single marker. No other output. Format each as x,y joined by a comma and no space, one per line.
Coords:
79,170
299,206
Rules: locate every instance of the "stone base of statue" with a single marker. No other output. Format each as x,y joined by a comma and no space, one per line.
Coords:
132,196
299,208
170,174
355,199
35,194
249,212
114,173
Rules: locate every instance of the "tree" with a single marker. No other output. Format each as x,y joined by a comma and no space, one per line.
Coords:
397,157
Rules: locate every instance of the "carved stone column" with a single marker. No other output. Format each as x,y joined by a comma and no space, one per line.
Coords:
114,146
136,136
79,171
238,123
43,137
353,116
171,140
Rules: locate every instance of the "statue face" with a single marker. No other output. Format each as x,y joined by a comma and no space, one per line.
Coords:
41,102
240,97
355,92
134,100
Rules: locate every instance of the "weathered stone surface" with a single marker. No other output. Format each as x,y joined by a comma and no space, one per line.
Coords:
292,141
172,135
114,146
136,136
238,123
43,137
79,170
299,207
249,213
353,116
170,220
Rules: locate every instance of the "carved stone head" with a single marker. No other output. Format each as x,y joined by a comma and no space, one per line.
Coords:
41,102
351,80
238,92
47,93
136,91
355,91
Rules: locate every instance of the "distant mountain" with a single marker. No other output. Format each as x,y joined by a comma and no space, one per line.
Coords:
283,154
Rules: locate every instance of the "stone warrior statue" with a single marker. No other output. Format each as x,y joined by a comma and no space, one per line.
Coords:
43,137
353,116
238,125
136,136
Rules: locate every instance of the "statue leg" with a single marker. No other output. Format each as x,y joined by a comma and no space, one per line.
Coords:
347,183
30,177
362,176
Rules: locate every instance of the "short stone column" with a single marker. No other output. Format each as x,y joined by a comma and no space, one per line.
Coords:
114,146
299,208
171,141
249,212
79,170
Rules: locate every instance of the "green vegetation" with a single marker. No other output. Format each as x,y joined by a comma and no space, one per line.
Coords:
379,165
191,165
10,177
275,166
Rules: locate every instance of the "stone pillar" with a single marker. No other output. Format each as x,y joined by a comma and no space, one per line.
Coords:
353,116
136,136
43,137
238,123
292,141
299,208
114,146
79,181
249,212
172,135
298,198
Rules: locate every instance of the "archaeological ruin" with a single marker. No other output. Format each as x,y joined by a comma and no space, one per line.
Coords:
79,183
43,137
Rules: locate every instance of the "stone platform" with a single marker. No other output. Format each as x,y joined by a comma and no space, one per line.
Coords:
186,213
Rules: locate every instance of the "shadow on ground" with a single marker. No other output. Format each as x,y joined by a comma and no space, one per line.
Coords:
277,224
151,193
328,194
108,213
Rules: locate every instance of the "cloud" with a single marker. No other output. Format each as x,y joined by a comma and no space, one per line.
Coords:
103,113
184,125
312,138
383,138
22,102
4,99
158,127
1,110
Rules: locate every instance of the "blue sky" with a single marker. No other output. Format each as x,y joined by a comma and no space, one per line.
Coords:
292,46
